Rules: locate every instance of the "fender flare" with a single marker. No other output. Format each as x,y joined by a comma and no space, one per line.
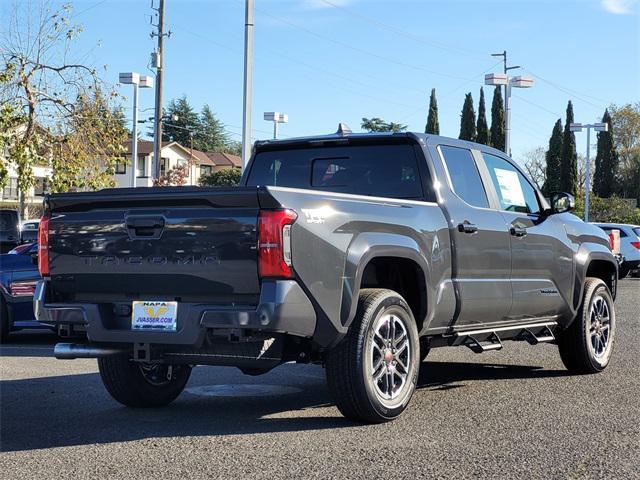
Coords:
364,248
586,255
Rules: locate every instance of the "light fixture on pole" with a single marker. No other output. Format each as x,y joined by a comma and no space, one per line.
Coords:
598,127
276,118
520,81
133,78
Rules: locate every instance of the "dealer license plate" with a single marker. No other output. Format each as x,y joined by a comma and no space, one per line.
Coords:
161,316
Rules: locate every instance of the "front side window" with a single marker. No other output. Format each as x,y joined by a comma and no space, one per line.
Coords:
515,193
465,179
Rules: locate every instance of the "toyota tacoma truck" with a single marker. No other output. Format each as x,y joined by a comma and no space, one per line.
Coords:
359,252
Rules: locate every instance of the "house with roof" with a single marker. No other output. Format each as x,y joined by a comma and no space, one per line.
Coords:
172,154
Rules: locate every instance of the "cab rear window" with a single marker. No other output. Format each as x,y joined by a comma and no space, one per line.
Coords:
376,170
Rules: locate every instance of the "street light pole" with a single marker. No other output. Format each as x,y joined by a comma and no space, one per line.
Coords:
134,137
133,78
577,127
248,83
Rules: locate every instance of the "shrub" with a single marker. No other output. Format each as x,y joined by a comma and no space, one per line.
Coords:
611,210
229,177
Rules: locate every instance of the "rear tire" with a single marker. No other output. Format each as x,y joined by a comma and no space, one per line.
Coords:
373,371
140,385
5,325
586,346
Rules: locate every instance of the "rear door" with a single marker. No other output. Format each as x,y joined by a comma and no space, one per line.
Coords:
539,258
480,240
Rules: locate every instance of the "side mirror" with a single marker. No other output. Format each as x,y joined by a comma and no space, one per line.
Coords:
562,202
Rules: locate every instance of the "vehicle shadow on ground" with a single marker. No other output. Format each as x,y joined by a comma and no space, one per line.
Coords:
76,410
29,344
449,375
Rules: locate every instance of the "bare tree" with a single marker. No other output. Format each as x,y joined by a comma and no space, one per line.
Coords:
44,83
534,164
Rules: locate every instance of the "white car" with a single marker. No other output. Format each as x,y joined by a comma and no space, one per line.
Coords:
29,230
629,245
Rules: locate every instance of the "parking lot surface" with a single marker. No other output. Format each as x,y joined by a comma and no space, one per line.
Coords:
507,414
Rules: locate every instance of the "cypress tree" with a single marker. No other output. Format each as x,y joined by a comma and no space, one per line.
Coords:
468,120
497,120
606,162
569,160
482,128
432,119
553,159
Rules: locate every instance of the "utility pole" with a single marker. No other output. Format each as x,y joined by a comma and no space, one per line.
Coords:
248,83
508,82
158,60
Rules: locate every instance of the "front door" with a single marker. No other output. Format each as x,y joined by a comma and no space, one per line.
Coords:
539,258
480,240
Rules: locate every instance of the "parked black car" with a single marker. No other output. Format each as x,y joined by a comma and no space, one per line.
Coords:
9,229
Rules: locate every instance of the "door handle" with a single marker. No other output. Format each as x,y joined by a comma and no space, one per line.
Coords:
518,231
467,227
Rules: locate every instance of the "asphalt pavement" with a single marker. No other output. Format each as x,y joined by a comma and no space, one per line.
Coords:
509,414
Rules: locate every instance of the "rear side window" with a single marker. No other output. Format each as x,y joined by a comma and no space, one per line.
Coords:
636,230
464,175
376,170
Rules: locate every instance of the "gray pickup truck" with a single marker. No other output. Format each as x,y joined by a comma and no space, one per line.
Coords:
357,252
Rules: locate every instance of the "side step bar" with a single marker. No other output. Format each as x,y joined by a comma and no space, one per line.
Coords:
490,338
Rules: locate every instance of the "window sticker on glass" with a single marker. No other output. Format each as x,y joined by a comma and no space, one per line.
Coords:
510,188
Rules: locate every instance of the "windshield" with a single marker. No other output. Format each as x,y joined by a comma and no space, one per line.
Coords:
377,170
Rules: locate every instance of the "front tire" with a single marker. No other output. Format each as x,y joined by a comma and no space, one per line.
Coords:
586,346
623,272
141,385
372,373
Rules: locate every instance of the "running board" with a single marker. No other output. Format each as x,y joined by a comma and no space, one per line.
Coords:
491,338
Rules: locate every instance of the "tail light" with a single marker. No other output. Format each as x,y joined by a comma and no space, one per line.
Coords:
22,289
43,246
636,244
611,242
274,243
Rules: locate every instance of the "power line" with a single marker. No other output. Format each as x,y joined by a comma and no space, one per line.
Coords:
358,49
319,69
402,32
89,8
568,91
451,92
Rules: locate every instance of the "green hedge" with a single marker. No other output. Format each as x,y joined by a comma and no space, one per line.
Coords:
612,210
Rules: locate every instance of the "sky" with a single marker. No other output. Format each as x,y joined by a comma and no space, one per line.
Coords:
328,61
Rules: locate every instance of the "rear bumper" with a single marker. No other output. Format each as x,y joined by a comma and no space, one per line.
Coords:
283,308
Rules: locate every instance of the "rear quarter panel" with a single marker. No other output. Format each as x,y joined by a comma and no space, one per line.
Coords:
335,236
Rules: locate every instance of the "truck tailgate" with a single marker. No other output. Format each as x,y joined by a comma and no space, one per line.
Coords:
187,244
